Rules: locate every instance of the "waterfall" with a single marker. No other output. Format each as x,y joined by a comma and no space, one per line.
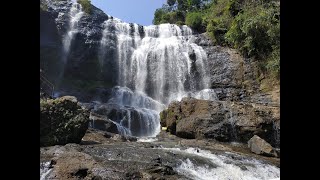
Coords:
232,121
75,15
153,65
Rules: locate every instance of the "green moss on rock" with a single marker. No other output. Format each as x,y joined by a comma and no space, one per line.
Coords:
62,121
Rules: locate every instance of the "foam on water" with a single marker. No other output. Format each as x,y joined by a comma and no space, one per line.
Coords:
252,169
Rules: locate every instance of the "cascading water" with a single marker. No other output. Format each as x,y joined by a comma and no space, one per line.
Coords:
232,121
226,167
75,15
45,170
155,65
138,115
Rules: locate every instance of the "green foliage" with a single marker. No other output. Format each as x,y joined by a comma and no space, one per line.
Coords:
249,32
252,27
273,63
158,16
182,5
219,21
194,20
86,5
193,4
163,16
175,11
235,6
256,31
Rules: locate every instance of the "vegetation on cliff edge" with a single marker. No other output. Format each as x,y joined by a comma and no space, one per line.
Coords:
252,27
86,5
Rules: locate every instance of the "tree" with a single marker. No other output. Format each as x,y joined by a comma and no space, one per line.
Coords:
182,5
193,4
158,14
194,20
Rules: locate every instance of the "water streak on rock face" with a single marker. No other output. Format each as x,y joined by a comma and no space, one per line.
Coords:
155,65
75,15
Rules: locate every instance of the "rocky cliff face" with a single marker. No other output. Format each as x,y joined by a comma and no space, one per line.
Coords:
222,120
231,76
85,55
76,70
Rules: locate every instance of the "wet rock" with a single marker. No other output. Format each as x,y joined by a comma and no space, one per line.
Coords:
163,170
130,138
108,135
126,115
260,146
118,137
137,160
102,123
52,163
243,168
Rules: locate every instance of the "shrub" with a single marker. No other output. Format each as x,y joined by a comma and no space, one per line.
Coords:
86,5
273,63
219,21
158,16
254,31
194,20
163,15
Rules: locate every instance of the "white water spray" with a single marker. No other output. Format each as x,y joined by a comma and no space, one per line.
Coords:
155,65
227,167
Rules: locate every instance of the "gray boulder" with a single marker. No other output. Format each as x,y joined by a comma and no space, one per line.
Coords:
260,146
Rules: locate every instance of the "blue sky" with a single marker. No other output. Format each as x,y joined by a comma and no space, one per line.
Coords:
135,11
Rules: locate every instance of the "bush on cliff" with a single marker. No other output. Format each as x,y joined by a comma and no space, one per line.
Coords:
194,20
86,5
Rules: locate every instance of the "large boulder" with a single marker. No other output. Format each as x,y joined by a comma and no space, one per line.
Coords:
221,120
62,121
260,146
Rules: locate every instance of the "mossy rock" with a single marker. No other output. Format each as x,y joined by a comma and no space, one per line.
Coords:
62,121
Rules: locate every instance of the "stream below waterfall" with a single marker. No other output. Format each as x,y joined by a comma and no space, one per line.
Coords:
189,159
